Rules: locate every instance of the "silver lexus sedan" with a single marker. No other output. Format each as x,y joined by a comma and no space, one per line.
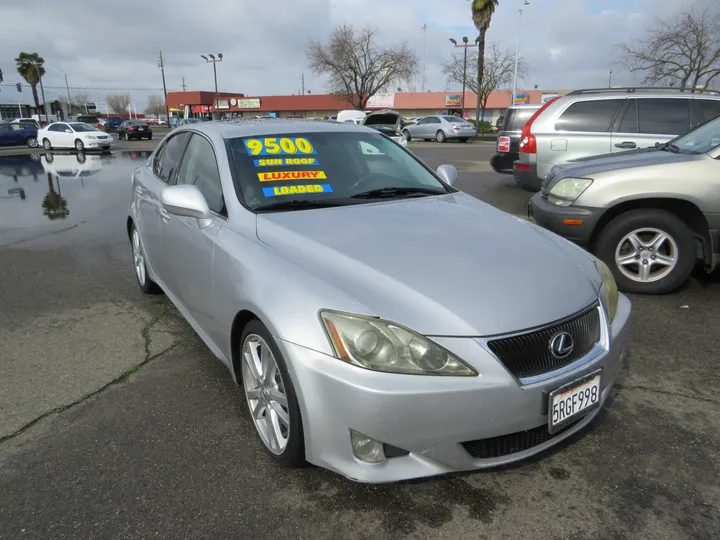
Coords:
380,323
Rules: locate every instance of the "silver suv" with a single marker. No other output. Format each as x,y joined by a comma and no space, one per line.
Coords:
600,121
650,214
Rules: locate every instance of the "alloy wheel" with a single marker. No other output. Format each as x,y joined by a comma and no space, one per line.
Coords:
265,393
646,255
138,256
46,144
79,146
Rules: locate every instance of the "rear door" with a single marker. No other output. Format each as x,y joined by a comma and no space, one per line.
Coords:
705,110
656,120
581,130
6,135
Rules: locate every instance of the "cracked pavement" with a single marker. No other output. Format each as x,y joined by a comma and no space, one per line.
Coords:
116,421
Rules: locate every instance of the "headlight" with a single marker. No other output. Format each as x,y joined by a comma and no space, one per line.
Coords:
567,190
609,289
90,137
386,346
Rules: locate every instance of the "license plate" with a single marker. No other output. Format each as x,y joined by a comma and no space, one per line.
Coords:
572,401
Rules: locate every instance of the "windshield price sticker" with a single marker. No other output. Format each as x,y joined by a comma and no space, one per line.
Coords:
291,175
278,146
285,162
296,190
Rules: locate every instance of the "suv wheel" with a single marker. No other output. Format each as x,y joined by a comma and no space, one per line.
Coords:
650,251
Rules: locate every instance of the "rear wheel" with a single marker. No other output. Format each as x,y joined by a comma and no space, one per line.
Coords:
650,251
271,397
408,137
46,144
440,136
149,138
31,142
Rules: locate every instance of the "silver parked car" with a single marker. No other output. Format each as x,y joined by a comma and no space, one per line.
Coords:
594,122
371,312
440,128
650,214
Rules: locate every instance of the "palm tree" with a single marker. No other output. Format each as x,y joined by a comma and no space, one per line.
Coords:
482,12
30,67
54,205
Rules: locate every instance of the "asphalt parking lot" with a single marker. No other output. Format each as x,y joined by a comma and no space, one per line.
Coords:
117,422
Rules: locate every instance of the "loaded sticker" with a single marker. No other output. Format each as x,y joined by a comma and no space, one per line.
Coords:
295,190
282,162
278,146
291,175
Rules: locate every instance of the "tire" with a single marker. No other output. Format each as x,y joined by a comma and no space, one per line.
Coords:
49,158
615,242
440,136
81,157
427,140
293,453
46,144
463,139
147,285
408,137
119,136
149,138
79,145
31,142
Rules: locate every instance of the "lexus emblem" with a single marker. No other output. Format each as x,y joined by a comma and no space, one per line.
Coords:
561,345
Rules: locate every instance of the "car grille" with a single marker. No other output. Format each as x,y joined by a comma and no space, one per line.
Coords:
103,137
504,445
527,355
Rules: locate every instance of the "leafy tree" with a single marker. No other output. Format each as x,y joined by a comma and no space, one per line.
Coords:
30,67
482,12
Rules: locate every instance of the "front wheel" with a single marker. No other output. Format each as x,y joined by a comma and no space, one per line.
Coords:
31,142
440,136
650,251
147,285
79,145
271,397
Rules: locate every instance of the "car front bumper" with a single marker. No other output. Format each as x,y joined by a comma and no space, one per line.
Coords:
430,417
576,223
525,174
99,143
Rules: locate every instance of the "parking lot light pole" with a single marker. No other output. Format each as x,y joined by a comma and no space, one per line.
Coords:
67,88
463,46
517,55
213,60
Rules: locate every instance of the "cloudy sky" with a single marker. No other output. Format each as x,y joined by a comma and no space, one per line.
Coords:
112,46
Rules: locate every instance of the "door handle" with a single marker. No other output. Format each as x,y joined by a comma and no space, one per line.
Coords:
627,144
164,214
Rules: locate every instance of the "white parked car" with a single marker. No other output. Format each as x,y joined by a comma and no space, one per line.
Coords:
77,135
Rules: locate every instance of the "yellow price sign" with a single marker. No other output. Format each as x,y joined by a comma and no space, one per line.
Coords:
278,146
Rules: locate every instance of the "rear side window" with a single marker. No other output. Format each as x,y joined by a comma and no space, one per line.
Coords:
168,159
629,122
663,116
707,109
591,116
515,119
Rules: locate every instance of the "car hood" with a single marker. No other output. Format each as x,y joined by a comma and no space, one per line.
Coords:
587,167
447,265
383,118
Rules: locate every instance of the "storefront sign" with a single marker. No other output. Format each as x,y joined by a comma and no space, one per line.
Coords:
522,98
381,101
246,103
453,100
223,104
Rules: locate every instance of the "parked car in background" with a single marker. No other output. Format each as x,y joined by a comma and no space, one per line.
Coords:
113,122
370,312
650,214
600,121
28,121
134,129
499,122
12,134
351,116
508,142
388,123
330,118
440,128
77,135
88,119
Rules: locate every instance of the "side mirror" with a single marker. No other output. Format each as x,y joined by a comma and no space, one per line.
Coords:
448,173
186,200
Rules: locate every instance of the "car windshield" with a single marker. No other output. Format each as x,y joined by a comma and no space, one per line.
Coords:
80,127
516,119
328,168
704,139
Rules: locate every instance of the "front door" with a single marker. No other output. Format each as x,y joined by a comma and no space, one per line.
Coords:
188,244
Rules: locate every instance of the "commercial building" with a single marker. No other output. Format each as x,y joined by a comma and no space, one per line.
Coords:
409,104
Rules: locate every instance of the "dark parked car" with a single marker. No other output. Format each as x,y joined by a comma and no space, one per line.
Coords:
508,143
134,129
113,123
17,134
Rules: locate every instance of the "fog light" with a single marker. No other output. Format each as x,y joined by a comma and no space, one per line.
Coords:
367,449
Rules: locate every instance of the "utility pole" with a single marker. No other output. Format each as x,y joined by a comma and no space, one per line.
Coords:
161,65
463,46
424,75
302,80
517,55
212,60
610,80
183,84
42,91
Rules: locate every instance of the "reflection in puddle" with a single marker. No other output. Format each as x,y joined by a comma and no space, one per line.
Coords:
45,193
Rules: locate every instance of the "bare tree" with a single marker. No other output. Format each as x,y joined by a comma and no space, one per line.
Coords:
683,50
499,69
119,102
79,99
356,67
155,106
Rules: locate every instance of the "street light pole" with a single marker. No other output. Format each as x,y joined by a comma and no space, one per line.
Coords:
517,55
610,80
463,46
212,60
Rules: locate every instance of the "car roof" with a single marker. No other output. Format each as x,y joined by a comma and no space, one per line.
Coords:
526,106
230,129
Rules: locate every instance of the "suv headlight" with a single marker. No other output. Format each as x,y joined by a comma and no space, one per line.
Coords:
609,288
381,345
567,190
